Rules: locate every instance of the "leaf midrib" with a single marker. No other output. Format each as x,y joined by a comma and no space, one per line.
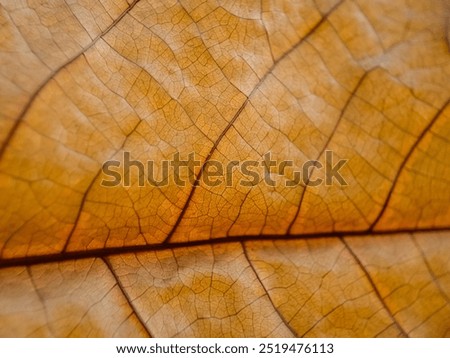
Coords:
111,251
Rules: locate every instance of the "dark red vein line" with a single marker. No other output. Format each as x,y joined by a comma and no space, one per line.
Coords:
320,320
237,114
430,269
87,191
35,94
447,26
111,251
82,203
344,110
405,161
286,323
374,286
125,294
41,298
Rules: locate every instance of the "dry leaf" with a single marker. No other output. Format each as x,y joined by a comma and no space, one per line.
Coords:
84,82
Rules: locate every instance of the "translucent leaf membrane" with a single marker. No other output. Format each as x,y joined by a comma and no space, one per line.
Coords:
84,83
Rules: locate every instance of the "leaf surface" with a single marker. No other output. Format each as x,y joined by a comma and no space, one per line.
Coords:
83,82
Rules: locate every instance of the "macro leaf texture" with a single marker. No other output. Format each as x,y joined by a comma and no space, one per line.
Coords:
84,81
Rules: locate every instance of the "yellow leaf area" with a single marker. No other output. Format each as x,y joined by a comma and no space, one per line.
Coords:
83,82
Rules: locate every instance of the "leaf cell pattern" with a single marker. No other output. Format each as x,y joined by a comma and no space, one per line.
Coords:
83,81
